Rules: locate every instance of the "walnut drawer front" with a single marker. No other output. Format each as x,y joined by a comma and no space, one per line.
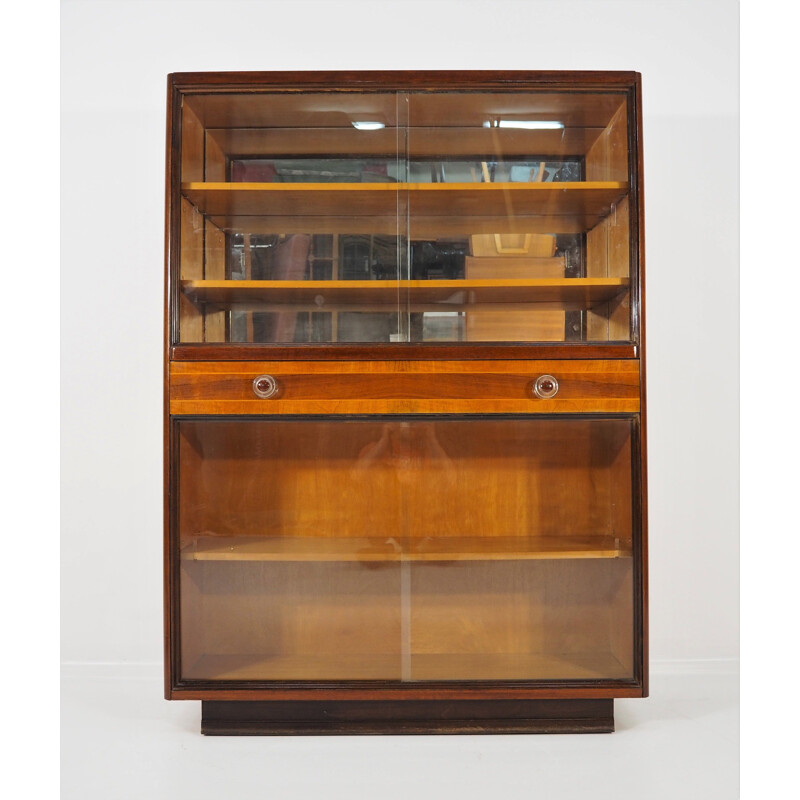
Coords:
403,387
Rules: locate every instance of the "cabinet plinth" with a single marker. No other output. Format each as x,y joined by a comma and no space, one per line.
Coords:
404,402
359,717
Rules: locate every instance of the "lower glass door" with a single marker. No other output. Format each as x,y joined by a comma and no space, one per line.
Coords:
406,549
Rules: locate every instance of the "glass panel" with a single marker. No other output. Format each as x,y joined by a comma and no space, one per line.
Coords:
406,549
395,217
289,217
518,223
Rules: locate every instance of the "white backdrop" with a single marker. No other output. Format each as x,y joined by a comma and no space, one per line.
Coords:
115,58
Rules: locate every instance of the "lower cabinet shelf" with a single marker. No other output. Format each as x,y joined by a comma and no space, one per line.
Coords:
415,667
450,548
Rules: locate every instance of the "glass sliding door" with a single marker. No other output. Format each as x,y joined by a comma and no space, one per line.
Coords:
406,549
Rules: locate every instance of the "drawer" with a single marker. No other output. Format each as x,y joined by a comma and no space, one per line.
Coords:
404,387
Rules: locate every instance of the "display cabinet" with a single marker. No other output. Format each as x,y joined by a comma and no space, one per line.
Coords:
404,401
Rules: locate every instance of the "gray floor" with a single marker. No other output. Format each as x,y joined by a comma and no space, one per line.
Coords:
121,740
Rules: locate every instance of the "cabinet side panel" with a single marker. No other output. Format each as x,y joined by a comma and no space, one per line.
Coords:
607,159
215,243
216,160
192,240
192,146
621,621
607,244
192,612
619,309
191,317
597,267
622,599
215,270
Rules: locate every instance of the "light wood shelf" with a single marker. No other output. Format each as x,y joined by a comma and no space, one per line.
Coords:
343,207
450,548
416,667
421,295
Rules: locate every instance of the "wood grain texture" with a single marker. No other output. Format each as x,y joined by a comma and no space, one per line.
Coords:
607,159
215,249
403,387
216,160
191,268
514,267
495,479
608,243
619,307
533,325
192,146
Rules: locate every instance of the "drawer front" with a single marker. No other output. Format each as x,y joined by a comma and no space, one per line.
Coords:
404,387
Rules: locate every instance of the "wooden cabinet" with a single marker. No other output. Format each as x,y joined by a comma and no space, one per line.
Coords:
404,401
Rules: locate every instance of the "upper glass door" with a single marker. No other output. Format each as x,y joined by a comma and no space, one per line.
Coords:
518,217
385,217
289,218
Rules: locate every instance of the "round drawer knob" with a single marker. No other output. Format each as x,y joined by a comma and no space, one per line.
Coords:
265,386
545,386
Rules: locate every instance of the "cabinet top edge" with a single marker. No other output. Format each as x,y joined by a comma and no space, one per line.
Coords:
352,80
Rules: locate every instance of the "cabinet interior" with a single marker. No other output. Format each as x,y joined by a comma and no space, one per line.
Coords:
385,217
406,548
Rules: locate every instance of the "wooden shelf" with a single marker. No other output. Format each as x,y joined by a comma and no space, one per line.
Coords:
415,667
453,548
425,295
374,207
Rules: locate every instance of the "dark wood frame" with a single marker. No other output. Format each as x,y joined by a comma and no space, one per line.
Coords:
310,704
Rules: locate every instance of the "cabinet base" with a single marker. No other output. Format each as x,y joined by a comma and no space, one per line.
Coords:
265,718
